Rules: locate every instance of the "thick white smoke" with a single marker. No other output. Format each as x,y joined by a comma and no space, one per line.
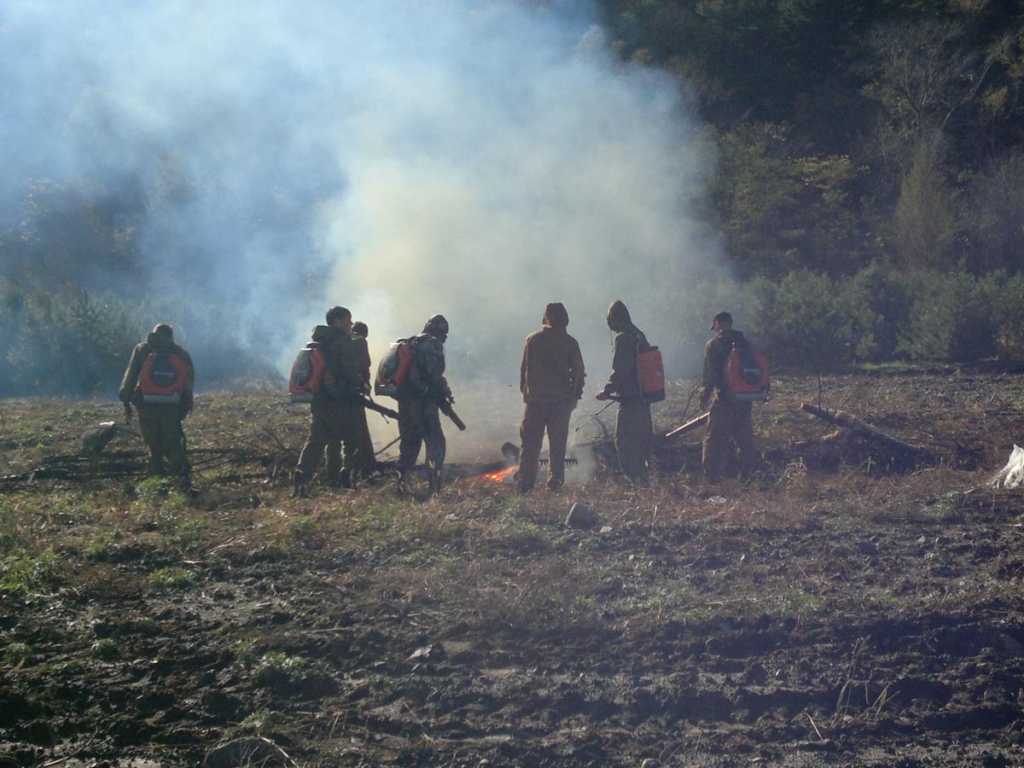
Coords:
474,158
510,162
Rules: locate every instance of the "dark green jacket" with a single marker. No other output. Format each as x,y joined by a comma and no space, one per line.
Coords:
624,381
427,378
716,354
347,357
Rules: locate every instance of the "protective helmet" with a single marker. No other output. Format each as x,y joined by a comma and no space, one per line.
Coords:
163,331
437,326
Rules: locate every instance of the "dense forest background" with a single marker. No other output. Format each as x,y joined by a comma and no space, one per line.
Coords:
868,194
870,184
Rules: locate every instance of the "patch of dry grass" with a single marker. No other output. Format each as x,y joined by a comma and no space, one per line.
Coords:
244,443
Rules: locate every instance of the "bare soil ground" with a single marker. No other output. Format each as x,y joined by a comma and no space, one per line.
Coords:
849,606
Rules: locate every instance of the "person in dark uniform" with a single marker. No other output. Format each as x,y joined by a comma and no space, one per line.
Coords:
335,419
419,398
729,433
161,405
633,427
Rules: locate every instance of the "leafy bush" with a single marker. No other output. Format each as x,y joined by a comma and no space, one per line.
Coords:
802,322
705,298
71,342
877,306
62,343
18,653
68,341
881,314
1007,311
951,318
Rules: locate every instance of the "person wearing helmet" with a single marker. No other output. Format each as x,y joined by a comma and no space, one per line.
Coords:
419,418
337,421
633,426
158,382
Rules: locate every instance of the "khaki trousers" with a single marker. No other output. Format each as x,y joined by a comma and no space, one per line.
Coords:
419,422
729,434
552,417
633,438
333,426
160,426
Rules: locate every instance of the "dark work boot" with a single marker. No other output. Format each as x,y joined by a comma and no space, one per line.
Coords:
300,491
343,480
436,481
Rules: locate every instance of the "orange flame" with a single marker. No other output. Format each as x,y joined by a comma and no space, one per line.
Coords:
499,477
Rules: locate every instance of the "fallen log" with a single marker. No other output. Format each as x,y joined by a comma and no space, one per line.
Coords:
688,426
860,427
78,468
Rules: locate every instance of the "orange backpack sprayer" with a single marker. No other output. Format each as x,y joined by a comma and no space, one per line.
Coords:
747,373
651,370
394,368
309,374
164,376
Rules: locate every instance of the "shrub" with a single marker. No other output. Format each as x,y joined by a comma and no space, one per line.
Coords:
950,319
801,322
1007,311
877,305
63,343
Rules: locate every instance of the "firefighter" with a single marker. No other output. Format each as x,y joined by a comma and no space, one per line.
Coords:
551,380
364,460
730,429
633,428
158,382
334,417
419,401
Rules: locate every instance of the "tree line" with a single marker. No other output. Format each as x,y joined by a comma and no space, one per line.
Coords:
851,132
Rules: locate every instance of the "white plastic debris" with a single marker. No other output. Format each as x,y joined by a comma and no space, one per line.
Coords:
1012,475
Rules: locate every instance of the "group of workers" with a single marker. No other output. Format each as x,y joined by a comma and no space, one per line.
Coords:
552,376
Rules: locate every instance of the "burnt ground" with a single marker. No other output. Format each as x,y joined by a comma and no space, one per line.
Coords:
851,605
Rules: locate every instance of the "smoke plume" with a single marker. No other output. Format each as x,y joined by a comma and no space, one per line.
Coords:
472,158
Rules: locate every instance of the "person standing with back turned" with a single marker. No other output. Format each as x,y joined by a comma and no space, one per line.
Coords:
730,428
551,380
334,418
159,381
633,426
419,398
